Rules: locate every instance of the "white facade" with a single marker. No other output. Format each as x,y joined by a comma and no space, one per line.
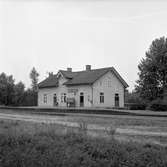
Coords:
51,92
108,86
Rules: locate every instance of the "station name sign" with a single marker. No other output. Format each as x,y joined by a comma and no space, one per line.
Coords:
72,90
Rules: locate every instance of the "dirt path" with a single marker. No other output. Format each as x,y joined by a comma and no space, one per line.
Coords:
63,120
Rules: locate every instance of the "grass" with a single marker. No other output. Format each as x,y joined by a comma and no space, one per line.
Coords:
97,126
25,144
122,121
116,120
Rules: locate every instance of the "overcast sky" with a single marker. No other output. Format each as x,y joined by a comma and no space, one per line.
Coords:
56,34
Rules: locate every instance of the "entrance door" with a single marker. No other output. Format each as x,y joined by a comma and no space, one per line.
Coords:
116,100
55,103
81,99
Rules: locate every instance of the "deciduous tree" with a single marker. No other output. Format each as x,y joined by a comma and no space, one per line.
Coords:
19,93
32,93
6,89
153,71
34,79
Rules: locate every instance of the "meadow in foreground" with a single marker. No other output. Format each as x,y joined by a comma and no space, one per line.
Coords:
45,147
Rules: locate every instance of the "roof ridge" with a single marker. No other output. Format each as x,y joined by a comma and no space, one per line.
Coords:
87,71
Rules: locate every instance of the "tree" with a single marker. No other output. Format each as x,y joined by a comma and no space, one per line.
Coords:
15,94
34,79
19,93
32,93
153,71
3,90
30,98
6,89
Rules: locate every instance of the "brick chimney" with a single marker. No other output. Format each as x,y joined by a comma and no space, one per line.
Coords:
69,69
88,67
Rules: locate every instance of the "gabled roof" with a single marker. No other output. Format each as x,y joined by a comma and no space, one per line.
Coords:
49,82
80,77
90,76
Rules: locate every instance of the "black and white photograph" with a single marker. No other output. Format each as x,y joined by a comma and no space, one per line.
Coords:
83,83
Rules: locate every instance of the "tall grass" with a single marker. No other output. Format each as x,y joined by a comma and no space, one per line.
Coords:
47,148
111,131
83,128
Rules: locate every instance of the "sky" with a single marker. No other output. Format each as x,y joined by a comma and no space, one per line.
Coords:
55,34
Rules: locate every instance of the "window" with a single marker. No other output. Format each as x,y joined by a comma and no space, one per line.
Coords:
109,83
100,83
88,98
45,98
101,97
81,94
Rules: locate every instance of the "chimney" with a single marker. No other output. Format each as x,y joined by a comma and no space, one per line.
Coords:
88,67
69,69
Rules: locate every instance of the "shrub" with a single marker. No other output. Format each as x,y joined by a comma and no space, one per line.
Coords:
157,105
136,106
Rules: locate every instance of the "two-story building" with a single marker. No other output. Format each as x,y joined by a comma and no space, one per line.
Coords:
102,87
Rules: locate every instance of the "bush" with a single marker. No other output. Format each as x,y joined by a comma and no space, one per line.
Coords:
136,106
157,105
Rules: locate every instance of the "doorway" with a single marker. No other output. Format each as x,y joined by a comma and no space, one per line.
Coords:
116,100
55,103
81,99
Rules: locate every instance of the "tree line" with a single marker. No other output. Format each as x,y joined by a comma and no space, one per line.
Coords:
15,94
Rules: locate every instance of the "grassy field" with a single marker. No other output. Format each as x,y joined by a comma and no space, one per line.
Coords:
25,144
125,128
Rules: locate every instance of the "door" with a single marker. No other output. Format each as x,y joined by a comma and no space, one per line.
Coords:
116,100
55,103
81,99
